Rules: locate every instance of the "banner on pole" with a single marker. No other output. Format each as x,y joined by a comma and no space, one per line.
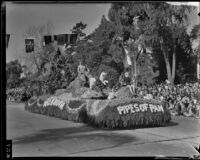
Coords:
73,38
62,39
66,39
29,44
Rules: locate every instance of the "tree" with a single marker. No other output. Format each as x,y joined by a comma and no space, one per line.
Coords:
78,29
195,33
148,71
129,19
195,37
13,73
147,23
104,33
167,27
93,53
183,60
102,39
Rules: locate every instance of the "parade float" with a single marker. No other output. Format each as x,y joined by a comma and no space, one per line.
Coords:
85,104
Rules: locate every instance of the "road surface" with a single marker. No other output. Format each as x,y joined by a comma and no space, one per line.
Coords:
38,135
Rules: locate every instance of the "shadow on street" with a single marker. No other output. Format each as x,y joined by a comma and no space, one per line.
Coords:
83,132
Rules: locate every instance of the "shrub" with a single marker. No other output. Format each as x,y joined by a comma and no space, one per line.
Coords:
13,72
18,94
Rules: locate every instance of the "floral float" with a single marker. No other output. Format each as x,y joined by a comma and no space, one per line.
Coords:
114,113
81,104
127,113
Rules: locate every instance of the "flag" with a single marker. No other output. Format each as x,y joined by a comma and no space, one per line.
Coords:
47,39
7,39
29,45
62,39
66,39
55,37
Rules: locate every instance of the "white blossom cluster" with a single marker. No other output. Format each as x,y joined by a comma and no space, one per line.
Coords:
54,101
139,108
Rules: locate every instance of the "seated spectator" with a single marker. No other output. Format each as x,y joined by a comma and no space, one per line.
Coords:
148,96
197,110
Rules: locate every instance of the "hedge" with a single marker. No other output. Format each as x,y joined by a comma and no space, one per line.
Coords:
18,94
106,114
115,113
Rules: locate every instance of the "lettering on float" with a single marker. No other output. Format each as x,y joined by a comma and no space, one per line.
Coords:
54,101
133,108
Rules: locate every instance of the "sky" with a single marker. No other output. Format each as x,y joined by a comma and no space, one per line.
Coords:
63,17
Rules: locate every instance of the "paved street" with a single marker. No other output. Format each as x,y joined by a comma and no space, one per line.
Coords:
39,135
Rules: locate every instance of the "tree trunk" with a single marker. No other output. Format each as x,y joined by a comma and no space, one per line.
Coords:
35,62
174,65
133,68
135,71
169,75
166,58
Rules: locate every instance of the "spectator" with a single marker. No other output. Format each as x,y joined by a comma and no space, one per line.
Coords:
182,99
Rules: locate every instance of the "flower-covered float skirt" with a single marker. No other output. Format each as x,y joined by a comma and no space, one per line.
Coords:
114,113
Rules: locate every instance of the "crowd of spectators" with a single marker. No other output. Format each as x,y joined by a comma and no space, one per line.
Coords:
182,99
